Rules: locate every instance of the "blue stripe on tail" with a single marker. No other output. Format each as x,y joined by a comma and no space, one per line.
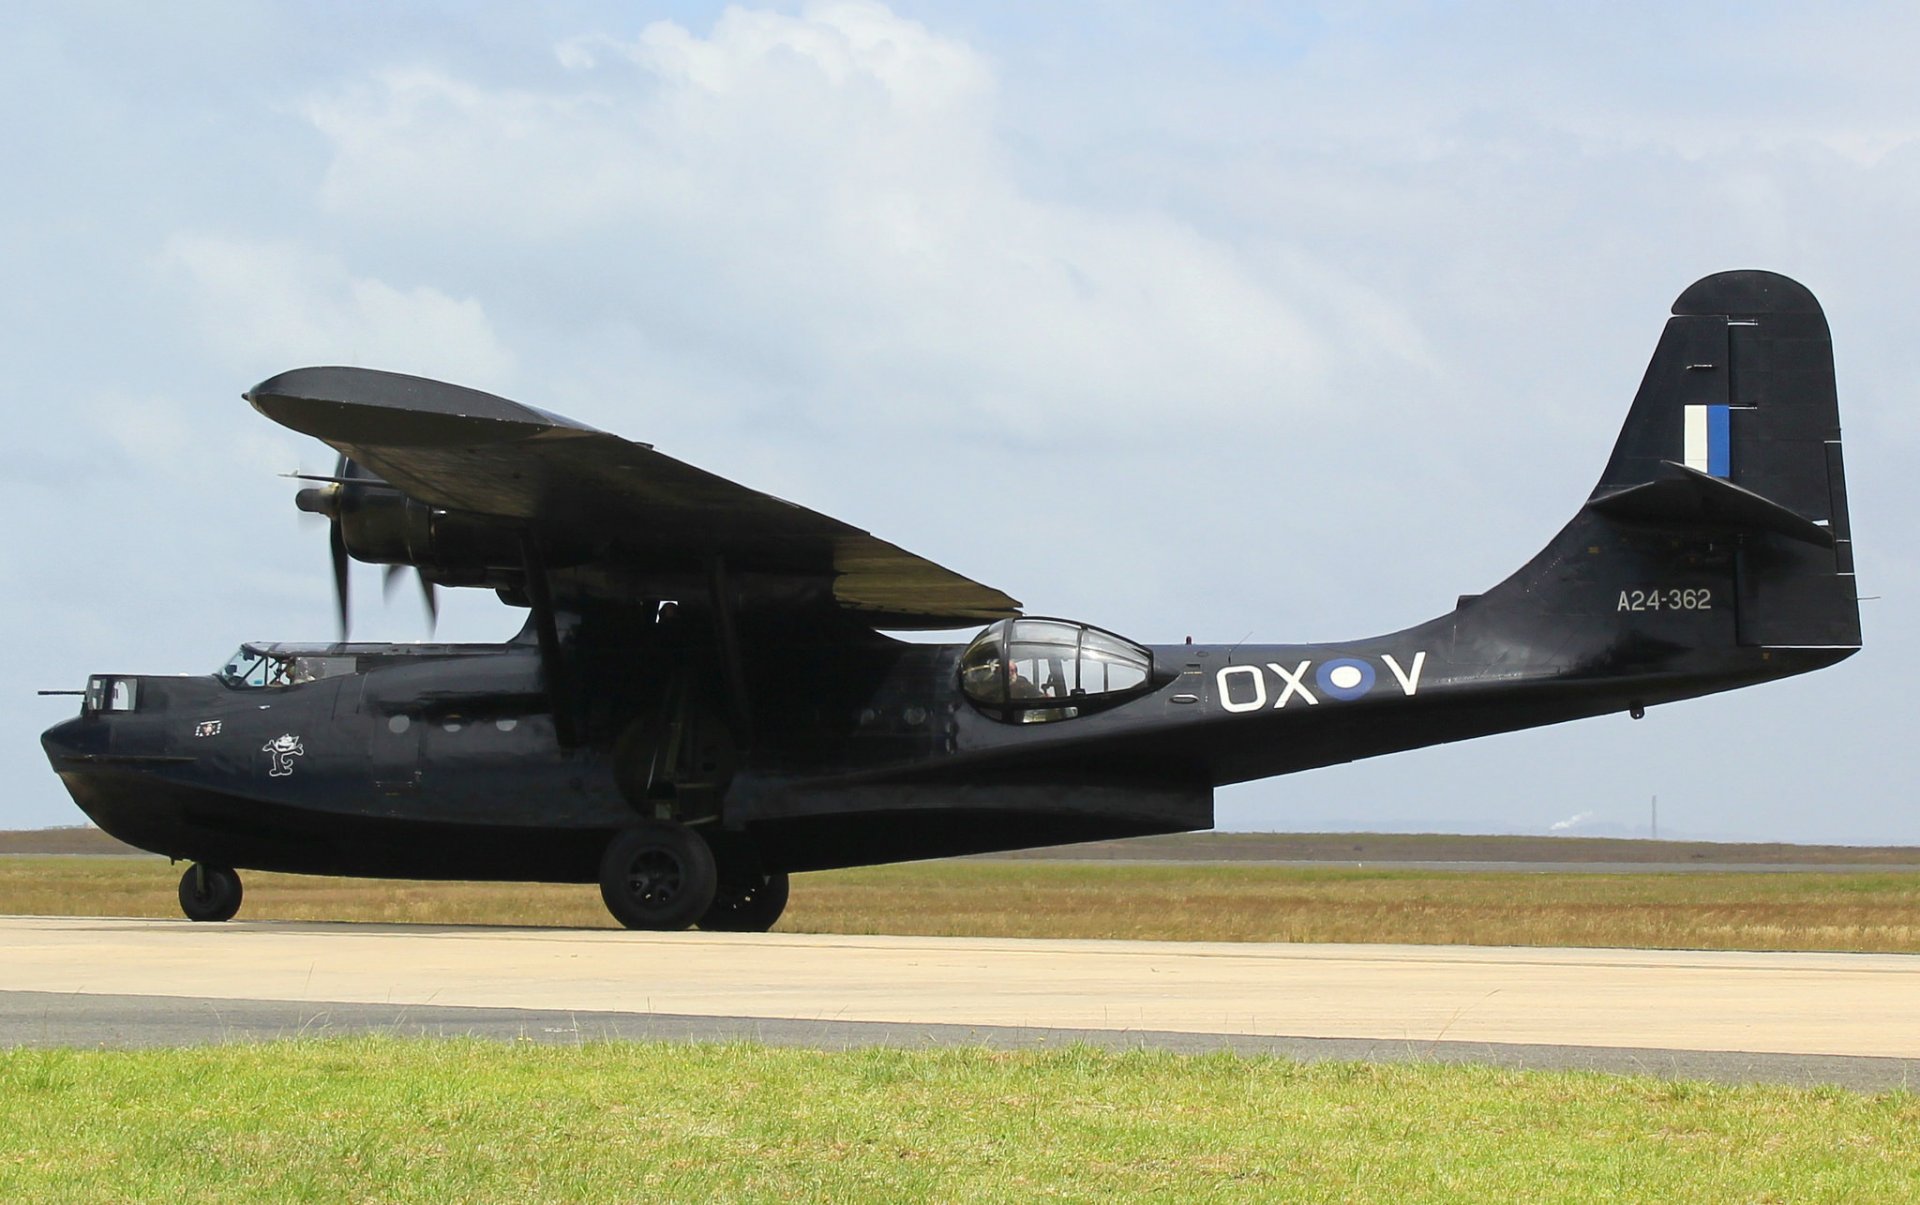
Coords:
1719,441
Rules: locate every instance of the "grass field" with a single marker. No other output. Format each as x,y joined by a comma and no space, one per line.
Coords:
1864,911
380,1119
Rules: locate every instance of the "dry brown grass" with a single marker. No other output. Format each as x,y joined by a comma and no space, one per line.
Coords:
145,886
1875,911
1797,911
1348,848
1369,848
67,839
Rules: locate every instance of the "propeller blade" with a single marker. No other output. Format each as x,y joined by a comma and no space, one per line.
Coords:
428,592
337,543
432,594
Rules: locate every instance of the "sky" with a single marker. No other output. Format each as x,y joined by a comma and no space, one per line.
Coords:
1275,323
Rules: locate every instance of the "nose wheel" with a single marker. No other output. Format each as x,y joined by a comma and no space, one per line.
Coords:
209,892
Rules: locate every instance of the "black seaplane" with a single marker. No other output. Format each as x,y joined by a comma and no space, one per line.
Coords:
703,698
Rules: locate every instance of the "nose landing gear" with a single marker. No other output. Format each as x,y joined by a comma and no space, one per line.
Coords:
209,893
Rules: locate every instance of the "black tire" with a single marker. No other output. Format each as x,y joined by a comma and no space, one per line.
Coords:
747,903
209,893
658,875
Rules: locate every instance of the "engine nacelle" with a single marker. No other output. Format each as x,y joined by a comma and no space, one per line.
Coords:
382,526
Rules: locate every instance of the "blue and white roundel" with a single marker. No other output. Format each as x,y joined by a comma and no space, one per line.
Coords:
1345,678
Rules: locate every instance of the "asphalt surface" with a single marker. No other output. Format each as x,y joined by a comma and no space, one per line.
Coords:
50,1019
1845,1019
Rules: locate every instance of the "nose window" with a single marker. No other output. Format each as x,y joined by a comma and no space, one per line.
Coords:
1031,670
112,694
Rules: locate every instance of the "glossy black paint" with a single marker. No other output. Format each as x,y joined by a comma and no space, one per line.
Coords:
771,715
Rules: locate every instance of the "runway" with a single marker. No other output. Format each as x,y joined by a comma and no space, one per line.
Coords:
1718,1009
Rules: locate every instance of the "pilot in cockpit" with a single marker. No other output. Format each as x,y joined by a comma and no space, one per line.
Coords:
1019,686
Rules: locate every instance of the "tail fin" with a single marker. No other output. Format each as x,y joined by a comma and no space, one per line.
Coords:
1736,431
1717,538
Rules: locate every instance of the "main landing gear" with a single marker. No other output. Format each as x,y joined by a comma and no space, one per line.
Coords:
747,903
661,875
209,892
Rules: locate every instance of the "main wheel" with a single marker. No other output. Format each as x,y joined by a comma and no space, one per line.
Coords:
658,875
747,903
209,892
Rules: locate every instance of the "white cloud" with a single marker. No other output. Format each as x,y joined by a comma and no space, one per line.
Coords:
848,44
277,305
828,198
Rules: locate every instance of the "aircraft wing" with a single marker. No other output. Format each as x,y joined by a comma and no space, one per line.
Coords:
459,449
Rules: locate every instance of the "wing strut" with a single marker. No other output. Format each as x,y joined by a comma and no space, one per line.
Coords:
553,665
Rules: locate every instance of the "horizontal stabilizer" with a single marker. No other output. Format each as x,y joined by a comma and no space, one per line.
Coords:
1687,497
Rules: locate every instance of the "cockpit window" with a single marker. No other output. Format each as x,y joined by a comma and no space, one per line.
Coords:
252,667
1108,663
1034,670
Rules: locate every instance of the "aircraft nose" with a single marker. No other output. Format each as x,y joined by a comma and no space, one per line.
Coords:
76,737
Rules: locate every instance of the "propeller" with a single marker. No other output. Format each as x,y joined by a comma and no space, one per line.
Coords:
429,594
337,545
334,501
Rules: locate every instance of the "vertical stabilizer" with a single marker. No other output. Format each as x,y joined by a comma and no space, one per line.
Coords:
1737,427
1717,538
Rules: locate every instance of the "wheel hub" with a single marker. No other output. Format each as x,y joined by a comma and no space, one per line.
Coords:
655,878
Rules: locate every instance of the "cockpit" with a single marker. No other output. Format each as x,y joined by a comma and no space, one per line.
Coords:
1031,671
256,666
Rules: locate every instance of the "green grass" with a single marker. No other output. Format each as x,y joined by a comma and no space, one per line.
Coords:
387,1120
1861,911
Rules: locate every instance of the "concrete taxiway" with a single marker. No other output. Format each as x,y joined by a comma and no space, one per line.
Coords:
1716,1014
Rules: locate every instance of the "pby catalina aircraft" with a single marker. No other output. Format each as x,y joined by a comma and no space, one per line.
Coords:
702,700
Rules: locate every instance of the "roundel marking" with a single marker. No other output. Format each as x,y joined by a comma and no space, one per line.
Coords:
1345,678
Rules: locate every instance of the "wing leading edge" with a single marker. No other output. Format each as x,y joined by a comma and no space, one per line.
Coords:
459,449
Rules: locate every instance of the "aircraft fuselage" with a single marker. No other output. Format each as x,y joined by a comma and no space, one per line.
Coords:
446,763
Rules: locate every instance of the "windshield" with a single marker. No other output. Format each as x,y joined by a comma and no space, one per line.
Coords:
252,668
